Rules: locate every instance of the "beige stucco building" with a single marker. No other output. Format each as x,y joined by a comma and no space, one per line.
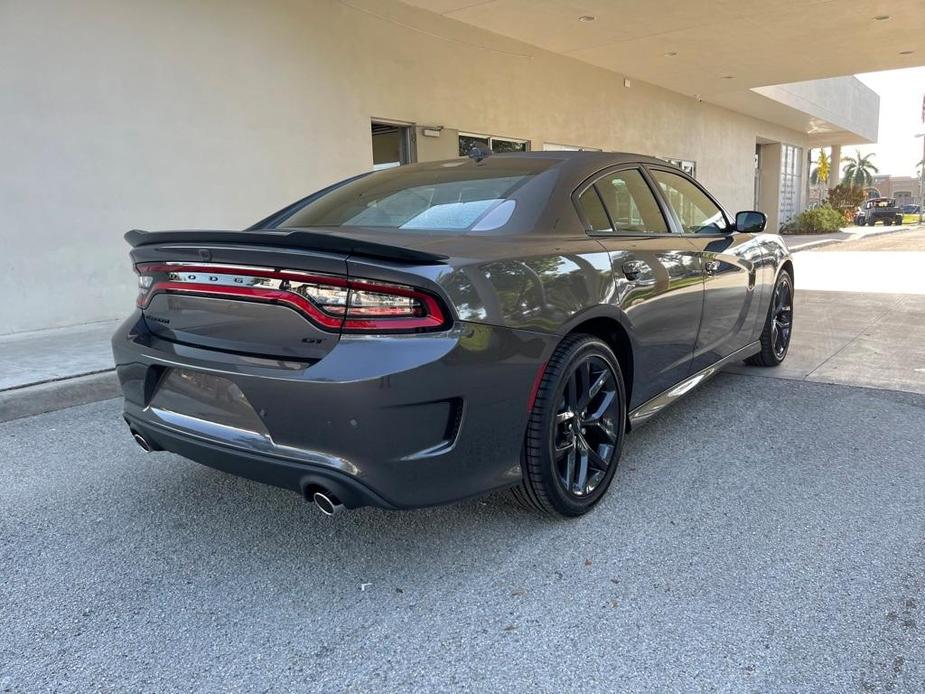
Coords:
171,114
906,189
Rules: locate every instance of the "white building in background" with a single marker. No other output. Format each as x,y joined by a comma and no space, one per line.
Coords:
169,114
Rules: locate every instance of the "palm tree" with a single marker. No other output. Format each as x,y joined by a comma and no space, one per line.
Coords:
858,171
820,174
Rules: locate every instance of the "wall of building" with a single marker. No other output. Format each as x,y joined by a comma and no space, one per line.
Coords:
172,114
769,183
906,189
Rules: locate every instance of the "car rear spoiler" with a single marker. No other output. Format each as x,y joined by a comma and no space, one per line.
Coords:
307,240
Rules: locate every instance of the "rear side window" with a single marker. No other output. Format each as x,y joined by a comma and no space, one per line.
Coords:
631,203
454,196
594,210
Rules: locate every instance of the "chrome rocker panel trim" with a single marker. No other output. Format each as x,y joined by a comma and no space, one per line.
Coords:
651,408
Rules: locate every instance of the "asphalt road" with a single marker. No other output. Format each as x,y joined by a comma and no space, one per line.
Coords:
762,536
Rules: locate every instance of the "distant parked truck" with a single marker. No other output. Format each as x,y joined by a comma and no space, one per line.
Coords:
878,210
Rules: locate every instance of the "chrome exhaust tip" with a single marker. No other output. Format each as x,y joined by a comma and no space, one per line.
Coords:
328,505
142,441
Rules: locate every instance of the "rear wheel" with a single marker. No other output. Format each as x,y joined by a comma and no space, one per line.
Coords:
575,432
778,327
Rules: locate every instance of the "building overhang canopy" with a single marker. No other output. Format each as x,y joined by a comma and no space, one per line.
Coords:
727,52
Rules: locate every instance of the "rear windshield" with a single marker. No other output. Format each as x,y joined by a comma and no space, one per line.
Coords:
450,196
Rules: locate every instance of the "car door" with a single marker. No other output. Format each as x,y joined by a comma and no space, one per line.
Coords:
729,262
657,276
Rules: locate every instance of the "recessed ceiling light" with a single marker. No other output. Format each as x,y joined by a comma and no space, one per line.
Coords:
586,18
670,54
906,52
882,17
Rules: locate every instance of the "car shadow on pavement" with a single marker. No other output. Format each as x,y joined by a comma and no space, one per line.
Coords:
195,511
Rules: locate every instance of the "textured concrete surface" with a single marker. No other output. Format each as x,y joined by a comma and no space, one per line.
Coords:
764,535
874,340
850,234
48,355
910,239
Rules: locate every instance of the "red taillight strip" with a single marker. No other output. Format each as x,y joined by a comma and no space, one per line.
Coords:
433,319
300,304
435,316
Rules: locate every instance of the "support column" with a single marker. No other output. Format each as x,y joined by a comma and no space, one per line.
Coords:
835,166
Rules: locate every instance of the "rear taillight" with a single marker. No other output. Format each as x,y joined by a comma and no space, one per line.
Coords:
332,302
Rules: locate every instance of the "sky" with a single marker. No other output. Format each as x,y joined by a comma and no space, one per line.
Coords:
901,92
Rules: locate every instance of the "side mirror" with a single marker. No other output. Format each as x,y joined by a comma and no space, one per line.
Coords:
751,221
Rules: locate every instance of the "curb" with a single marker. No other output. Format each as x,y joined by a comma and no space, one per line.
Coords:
27,401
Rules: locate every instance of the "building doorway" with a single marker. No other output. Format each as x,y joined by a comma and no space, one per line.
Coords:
393,144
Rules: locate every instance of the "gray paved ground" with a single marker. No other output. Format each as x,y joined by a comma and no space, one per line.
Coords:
765,535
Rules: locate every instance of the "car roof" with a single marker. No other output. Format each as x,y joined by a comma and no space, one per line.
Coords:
604,158
573,167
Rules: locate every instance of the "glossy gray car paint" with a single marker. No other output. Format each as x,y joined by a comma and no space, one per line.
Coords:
414,420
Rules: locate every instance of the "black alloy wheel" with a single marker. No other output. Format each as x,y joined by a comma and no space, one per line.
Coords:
782,317
778,328
575,433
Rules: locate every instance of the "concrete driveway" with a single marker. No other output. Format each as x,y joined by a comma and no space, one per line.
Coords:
859,314
765,535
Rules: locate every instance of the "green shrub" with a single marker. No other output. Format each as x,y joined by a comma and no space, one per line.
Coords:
821,220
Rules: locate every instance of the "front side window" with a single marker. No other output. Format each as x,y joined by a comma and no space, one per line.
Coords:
696,211
630,203
457,197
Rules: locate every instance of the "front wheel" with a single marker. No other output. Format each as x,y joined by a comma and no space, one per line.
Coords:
778,326
575,431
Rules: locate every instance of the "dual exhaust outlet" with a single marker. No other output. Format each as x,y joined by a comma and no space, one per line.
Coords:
326,502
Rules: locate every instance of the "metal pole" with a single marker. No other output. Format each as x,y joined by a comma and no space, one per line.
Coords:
922,176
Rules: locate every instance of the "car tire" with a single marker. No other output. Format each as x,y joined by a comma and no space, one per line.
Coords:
778,326
861,222
575,434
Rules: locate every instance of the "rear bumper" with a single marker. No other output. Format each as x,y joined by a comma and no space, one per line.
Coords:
391,421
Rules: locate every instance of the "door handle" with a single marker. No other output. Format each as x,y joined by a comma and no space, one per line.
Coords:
711,266
633,268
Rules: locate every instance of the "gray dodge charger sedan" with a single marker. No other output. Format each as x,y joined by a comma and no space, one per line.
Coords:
433,332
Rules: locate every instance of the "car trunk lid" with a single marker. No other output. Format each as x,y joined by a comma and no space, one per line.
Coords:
272,294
